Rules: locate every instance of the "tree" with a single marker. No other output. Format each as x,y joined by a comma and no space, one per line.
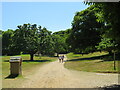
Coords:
45,42
58,44
85,34
0,42
108,13
25,39
1,32
8,44
107,44
59,38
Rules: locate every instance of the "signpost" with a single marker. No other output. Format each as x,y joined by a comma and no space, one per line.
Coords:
15,65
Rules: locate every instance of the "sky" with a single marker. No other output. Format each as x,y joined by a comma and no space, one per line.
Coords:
55,16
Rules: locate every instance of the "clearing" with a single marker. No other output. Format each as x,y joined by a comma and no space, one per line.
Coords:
54,75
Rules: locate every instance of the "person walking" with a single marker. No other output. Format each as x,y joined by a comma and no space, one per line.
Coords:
59,58
62,58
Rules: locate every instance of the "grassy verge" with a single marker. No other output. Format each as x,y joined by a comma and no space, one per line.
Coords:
93,62
28,68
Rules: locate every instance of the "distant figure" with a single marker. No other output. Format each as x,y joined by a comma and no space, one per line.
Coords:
59,58
62,58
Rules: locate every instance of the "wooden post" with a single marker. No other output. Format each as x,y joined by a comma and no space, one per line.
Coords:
114,61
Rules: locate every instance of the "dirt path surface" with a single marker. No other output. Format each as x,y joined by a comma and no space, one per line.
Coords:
54,75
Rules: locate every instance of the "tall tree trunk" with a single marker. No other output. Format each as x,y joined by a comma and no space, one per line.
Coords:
114,62
82,54
31,57
57,54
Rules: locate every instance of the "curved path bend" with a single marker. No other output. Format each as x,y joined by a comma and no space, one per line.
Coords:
54,75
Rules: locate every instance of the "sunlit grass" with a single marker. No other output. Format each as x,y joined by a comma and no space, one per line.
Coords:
73,56
96,65
26,64
28,68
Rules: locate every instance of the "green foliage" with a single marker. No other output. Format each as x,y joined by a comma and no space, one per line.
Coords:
31,39
1,32
59,38
59,44
106,44
1,42
95,28
25,39
45,42
85,33
8,44
108,13
7,37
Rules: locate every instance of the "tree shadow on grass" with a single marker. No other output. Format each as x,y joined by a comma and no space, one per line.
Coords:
36,60
6,60
31,60
11,76
92,58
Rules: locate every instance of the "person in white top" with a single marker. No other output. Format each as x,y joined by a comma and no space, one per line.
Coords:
59,58
62,58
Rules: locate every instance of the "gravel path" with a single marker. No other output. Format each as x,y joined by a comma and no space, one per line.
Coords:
54,75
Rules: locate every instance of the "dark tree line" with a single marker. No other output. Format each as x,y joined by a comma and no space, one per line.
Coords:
31,39
85,34
96,28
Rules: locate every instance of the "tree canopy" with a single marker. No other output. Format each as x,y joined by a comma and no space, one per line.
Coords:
25,39
95,28
8,44
108,13
85,33
31,39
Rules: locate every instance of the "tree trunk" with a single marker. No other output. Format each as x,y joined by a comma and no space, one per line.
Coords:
114,62
31,57
82,54
40,55
57,54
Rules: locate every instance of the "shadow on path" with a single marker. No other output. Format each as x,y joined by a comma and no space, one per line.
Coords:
11,76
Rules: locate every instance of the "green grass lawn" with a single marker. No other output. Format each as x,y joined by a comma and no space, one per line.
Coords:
93,62
28,68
